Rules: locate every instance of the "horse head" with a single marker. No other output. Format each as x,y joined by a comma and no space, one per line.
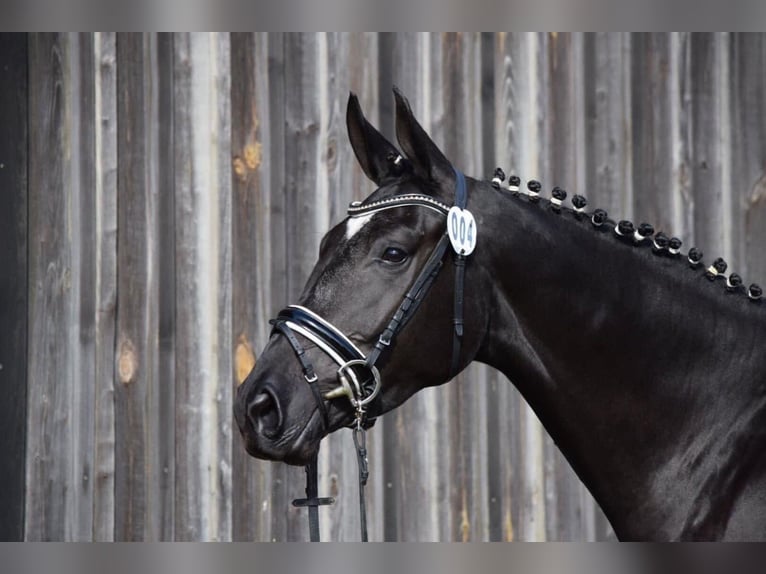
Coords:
354,346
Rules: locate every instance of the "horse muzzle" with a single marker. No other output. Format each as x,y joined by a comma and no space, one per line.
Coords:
275,424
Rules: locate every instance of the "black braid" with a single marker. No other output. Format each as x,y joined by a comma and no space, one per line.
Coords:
599,217
498,177
626,230
695,257
645,230
733,282
718,267
661,243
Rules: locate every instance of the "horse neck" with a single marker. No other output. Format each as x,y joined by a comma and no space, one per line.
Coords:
626,358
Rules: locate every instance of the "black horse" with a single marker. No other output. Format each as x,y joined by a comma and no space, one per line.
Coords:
645,365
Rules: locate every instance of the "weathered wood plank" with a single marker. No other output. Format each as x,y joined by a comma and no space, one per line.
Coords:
84,284
105,186
220,494
709,136
247,156
487,108
187,412
559,128
608,137
13,283
251,260
48,495
658,157
167,294
84,344
137,464
748,153
204,360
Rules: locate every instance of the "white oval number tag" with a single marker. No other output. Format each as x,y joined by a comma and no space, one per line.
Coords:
461,227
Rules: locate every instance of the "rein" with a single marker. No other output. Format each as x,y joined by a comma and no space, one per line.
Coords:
358,374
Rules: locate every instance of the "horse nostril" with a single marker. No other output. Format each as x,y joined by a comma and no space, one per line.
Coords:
260,403
265,414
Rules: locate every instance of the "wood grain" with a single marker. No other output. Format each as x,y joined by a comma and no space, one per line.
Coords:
203,251
137,441
251,292
171,196
49,445
105,187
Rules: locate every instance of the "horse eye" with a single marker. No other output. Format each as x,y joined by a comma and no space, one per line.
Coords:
394,255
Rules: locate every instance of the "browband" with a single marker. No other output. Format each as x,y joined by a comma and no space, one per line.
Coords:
357,208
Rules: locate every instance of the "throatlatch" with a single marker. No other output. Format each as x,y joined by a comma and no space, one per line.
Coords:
358,376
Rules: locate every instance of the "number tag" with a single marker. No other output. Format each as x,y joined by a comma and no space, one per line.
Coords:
461,227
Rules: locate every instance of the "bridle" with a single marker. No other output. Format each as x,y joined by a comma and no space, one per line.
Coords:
358,375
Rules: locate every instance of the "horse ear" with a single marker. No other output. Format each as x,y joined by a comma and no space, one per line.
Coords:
427,159
374,152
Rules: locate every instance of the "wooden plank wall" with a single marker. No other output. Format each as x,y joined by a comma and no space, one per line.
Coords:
178,188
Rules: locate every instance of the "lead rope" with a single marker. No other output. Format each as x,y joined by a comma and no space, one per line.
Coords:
312,501
360,442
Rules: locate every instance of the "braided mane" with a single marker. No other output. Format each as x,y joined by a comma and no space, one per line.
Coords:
625,231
